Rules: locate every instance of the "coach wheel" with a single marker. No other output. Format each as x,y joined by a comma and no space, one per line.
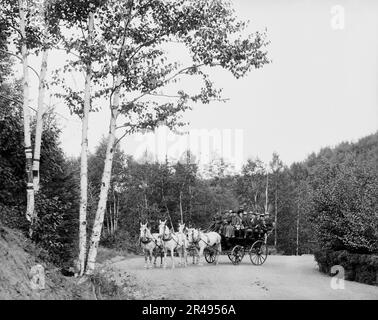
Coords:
258,252
210,255
236,255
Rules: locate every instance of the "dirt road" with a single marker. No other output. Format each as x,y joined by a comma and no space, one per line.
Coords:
281,277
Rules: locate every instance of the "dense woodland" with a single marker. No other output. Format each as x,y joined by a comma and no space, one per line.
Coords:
329,200
142,189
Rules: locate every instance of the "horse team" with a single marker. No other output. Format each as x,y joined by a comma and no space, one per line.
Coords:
181,241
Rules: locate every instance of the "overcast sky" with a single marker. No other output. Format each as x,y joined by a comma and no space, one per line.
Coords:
319,90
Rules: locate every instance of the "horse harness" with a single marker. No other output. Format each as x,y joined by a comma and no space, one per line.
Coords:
195,242
170,237
148,240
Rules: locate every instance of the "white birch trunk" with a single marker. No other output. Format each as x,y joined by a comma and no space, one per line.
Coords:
266,192
84,158
39,125
114,212
105,184
111,220
181,214
27,139
117,216
107,214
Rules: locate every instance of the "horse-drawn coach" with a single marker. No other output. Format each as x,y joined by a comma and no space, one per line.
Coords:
232,238
237,247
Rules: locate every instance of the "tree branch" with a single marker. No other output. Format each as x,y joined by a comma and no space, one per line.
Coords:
176,96
19,58
182,71
16,101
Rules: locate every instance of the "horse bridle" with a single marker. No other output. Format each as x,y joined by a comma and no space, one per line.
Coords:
169,234
148,239
199,238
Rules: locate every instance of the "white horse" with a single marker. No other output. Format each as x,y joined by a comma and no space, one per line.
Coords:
149,242
171,242
183,240
201,240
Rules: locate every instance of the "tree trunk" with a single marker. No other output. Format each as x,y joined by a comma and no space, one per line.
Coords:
266,192
39,125
114,212
181,214
111,220
105,183
297,249
27,139
108,221
84,158
275,221
190,203
117,214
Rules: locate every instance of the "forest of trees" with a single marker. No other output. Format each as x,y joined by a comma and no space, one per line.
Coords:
69,206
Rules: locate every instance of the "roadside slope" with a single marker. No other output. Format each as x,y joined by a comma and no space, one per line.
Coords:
17,255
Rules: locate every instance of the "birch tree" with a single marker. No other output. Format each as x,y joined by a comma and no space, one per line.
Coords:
276,165
133,35
40,13
26,112
28,30
76,31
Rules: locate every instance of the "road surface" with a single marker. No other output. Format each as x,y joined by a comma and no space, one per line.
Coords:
280,277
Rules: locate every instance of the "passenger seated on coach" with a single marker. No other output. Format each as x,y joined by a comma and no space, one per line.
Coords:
260,226
248,230
269,222
228,230
218,223
236,222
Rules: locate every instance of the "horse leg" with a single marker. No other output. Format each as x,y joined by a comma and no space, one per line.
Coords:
165,258
195,254
181,255
219,250
172,257
150,256
155,256
200,255
185,256
145,258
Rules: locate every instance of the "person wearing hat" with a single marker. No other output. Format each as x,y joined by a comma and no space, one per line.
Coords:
218,222
245,219
241,210
247,224
235,219
269,222
236,222
260,227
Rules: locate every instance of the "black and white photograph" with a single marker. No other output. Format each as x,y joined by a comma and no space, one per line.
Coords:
188,150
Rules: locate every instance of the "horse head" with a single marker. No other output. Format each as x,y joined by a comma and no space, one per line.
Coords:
163,229
182,228
145,232
193,235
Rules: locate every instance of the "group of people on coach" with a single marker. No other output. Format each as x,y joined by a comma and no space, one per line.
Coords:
241,223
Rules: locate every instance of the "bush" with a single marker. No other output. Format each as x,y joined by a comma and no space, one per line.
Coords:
358,267
45,228
121,240
344,206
